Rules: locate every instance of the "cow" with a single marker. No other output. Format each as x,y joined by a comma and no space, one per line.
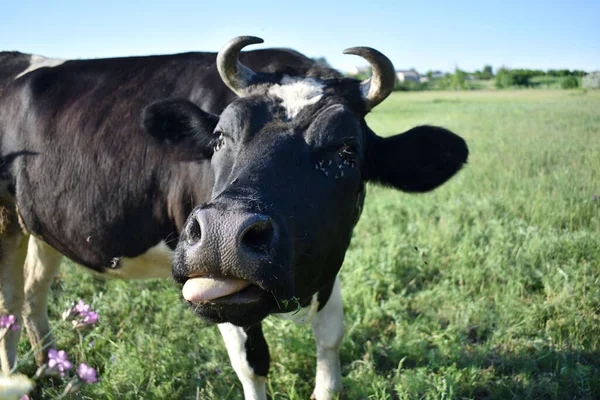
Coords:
247,175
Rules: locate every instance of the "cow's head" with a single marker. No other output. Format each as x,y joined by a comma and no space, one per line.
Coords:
290,159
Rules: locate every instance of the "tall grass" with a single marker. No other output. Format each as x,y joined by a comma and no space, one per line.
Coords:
487,288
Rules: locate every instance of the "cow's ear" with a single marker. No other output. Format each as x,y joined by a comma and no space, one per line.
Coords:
418,160
178,121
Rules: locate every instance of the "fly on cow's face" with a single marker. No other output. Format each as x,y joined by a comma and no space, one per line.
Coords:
348,156
348,153
219,142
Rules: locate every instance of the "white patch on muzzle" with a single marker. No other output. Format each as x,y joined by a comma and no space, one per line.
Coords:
297,93
37,62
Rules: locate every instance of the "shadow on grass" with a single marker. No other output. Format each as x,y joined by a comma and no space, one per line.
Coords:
528,370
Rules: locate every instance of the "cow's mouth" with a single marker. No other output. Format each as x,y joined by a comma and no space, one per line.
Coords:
220,290
220,299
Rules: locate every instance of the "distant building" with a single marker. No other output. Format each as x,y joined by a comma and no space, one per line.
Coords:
359,71
408,76
591,80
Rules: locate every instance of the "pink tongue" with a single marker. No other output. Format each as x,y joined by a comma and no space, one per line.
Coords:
206,289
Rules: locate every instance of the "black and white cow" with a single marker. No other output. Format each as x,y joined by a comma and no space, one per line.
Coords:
262,189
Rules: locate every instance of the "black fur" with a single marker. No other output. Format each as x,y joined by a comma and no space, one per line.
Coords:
418,160
12,63
179,121
257,350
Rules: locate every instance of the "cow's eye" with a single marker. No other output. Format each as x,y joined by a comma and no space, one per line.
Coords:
220,142
348,154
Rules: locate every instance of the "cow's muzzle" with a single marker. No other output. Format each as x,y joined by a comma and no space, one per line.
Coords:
233,258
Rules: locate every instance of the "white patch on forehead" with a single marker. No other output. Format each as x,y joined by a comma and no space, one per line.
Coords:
297,93
37,62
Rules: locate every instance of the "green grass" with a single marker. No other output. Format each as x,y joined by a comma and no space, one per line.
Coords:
488,288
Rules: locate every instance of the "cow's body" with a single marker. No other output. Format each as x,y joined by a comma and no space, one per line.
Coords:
87,176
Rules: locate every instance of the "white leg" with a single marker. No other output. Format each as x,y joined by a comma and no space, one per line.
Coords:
255,386
12,255
41,266
328,328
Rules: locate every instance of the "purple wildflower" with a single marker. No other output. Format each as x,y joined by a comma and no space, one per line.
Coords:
87,373
81,308
78,310
9,322
25,397
88,320
57,360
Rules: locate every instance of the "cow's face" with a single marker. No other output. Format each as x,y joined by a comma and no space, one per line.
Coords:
290,159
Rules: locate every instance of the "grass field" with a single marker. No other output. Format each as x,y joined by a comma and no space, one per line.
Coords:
488,288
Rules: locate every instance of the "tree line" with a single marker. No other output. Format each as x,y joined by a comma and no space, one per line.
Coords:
503,78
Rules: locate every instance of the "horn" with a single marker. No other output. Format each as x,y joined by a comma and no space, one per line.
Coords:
233,73
380,85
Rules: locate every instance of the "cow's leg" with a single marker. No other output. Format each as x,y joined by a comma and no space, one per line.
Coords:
13,246
249,355
328,328
41,266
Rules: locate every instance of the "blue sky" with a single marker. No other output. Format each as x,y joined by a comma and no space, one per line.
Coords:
424,35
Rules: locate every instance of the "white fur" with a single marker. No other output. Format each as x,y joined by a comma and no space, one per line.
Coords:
14,249
255,386
328,329
155,263
297,93
304,315
41,266
37,62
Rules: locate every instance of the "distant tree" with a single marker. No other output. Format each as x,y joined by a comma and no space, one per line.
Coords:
504,78
457,79
445,82
487,73
569,82
536,72
520,77
564,72
322,61
410,86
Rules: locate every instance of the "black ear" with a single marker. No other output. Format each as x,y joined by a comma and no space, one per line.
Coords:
418,160
179,121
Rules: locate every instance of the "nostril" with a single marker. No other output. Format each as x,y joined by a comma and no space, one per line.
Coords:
258,237
193,232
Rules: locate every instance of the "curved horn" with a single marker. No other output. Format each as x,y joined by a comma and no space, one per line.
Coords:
233,73
380,85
